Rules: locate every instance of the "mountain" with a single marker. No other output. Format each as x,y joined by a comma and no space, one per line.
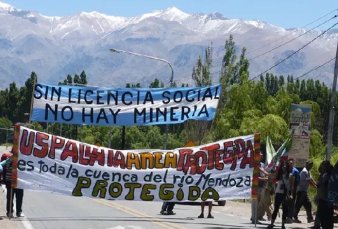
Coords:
54,47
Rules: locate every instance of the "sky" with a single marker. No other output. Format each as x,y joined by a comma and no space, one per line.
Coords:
284,13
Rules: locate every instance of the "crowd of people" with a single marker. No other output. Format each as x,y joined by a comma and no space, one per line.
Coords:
288,188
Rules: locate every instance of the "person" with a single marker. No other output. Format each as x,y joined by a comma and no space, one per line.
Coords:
259,206
325,207
294,181
282,193
269,194
209,209
11,192
264,197
167,208
302,198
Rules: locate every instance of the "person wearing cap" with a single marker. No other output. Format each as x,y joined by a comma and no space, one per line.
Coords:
302,198
11,192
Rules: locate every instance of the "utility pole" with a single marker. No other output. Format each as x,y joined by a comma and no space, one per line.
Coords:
332,110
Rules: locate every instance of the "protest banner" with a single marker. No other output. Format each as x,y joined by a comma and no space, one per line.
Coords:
300,121
222,170
123,106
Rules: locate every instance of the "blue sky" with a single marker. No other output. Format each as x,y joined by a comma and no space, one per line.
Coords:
284,13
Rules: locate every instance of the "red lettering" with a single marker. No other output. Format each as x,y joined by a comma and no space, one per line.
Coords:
57,143
40,140
184,153
211,154
83,154
98,156
247,159
110,158
119,160
200,168
26,146
70,150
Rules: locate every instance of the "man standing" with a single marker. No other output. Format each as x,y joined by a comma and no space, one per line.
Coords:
294,182
7,177
302,198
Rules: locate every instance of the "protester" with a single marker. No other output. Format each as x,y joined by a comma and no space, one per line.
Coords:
258,207
282,193
167,208
325,207
294,181
302,198
263,197
209,209
11,192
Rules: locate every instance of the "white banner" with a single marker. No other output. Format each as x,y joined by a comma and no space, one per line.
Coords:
220,170
123,106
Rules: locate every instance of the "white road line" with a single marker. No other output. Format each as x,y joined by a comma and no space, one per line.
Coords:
26,223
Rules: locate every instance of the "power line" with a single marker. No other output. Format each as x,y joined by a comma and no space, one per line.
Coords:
262,47
289,56
320,18
289,41
314,69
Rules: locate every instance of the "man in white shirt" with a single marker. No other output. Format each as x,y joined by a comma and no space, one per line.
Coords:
302,198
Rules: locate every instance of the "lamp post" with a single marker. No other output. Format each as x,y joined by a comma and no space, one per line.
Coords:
171,84
149,57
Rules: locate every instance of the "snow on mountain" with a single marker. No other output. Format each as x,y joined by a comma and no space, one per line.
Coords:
5,7
54,46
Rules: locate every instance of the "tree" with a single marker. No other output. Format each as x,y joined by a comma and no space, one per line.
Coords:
77,79
83,78
156,84
201,73
273,126
196,130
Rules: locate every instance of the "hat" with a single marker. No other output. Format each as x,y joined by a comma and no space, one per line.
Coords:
5,155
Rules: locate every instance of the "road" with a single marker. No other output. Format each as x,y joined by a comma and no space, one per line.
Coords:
44,210
53,211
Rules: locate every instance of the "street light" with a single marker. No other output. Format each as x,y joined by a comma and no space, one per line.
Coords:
171,84
150,57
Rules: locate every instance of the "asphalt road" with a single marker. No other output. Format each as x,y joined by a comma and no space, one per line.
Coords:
54,211
43,210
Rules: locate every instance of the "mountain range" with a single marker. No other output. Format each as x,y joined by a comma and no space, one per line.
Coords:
54,47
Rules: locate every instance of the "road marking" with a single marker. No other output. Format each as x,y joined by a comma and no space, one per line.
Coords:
136,213
26,223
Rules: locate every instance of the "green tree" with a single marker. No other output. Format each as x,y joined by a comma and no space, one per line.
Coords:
83,78
197,130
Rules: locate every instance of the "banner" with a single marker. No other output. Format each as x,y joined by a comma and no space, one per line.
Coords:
300,121
123,106
220,170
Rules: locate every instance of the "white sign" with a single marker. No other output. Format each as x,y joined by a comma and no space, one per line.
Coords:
220,170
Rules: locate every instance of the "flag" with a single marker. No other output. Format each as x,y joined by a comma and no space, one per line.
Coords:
281,154
270,151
